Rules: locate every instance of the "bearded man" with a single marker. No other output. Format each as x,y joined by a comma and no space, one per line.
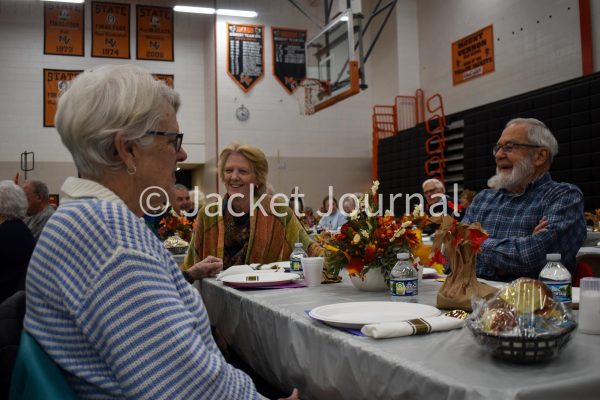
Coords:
526,214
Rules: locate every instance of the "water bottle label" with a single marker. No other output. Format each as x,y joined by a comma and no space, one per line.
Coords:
561,291
295,265
404,287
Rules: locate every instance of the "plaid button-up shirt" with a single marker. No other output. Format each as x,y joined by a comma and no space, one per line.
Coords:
510,219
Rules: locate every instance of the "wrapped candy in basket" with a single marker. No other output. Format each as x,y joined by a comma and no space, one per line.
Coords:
522,323
176,245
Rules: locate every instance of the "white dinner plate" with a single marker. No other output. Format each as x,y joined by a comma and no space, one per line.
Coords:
253,279
427,271
356,314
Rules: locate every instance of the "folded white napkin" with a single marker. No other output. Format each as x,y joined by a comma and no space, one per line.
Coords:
412,327
234,270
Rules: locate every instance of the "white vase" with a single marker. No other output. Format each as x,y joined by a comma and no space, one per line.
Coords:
372,281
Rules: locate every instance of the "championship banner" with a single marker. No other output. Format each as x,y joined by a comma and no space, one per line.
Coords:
166,78
63,29
55,81
289,57
473,56
110,30
154,35
245,57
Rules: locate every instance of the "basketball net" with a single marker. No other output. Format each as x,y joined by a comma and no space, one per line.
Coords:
310,93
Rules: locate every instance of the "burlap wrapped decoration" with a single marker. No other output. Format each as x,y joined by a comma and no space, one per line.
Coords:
460,243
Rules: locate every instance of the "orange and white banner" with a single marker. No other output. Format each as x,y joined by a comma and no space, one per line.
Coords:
473,55
63,29
154,35
110,30
166,78
55,81
245,58
289,57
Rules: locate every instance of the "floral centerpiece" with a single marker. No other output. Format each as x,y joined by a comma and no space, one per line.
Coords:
173,224
594,218
370,240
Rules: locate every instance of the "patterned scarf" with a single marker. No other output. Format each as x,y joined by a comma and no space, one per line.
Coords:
237,235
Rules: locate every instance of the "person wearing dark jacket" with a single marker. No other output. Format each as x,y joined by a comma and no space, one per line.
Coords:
16,240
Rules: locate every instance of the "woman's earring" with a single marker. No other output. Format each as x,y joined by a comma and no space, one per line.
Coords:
131,170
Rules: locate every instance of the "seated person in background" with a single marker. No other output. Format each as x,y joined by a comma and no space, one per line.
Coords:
526,213
348,205
155,211
39,209
16,240
310,219
435,193
296,203
466,198
182,201
105,299
333,219
237,234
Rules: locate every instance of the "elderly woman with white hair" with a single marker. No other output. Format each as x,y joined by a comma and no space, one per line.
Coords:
16,240
105,299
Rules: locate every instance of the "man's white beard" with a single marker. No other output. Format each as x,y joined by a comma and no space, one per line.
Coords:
522,169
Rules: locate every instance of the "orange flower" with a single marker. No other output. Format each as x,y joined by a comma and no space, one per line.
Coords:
370,253
355,266
423,251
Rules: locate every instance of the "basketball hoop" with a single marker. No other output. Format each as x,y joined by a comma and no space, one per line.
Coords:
314,91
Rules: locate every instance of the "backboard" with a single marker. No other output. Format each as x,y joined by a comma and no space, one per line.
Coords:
332,60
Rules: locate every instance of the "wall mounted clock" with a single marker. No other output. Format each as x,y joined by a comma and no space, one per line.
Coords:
242,113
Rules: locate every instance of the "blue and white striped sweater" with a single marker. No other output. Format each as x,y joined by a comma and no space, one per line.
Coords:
110,306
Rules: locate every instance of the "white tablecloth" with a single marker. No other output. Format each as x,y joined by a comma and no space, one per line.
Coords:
588,250
592,239
271,330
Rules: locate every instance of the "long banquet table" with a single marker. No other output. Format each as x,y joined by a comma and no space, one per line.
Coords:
272,332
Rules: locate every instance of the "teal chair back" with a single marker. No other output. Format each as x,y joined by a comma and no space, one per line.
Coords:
36,376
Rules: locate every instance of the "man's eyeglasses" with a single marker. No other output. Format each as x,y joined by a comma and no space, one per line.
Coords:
178,137
509,147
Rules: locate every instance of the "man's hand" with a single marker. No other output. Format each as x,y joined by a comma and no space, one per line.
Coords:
209,267
541,226
294,396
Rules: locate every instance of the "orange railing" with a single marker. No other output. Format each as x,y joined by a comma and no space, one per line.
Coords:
435,126
406,113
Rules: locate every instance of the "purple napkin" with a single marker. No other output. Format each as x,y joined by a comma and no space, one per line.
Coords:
284,286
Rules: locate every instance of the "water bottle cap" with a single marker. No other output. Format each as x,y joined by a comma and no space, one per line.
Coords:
298,245
402,256
553,257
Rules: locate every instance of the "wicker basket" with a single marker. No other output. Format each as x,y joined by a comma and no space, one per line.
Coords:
524,350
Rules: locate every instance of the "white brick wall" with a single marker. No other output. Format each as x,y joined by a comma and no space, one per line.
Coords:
546,51
22,62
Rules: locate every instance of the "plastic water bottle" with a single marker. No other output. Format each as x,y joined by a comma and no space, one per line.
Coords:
404,284
296,256
557,277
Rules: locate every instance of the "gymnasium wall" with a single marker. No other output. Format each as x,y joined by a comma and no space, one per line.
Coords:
536,44
21,86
